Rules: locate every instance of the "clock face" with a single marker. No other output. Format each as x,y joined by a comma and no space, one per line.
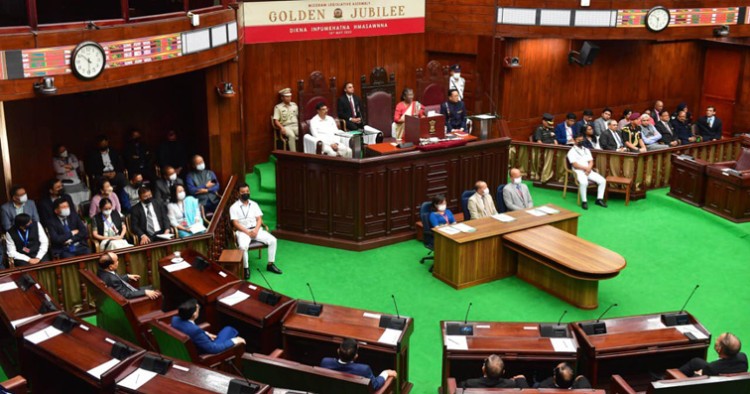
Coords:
88,60
657,19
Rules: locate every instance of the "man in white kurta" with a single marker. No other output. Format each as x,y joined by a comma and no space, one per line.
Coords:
323,128
247,221
583,165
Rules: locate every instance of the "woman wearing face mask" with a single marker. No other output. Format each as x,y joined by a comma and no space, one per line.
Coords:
590,140
440,215
66,170
105,191
185,213
109,228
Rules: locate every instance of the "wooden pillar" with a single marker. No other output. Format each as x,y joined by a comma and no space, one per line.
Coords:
5,152
225,137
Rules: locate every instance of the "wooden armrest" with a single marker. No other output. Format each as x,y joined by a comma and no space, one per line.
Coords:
618,385
674,373
233,354
278,353
451,386
388,387
204,326
15,385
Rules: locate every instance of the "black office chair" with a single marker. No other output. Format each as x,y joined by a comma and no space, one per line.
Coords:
427,238
465,203
499,201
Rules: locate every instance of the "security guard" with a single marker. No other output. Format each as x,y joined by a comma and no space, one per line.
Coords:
454,112
286,117
456,82
546,132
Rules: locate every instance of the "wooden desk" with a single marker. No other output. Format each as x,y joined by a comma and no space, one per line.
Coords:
563,264
388,148
468,259
636,345
520,345
257,322
307,339
194,380
728,195
231,260
205,286
60,364
688,180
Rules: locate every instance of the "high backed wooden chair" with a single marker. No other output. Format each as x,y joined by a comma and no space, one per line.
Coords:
279,137
126,318
318,90
569,173
278,372
379,100
175,344
432,84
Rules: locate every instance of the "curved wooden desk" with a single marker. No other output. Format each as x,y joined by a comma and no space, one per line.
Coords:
563,264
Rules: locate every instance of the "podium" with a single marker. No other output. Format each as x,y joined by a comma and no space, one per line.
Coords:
485,124
427,127
688,180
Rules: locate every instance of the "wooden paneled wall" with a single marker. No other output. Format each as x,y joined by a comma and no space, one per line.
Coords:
742,104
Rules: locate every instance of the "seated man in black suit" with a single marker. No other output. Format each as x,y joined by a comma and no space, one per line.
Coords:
68,235
106,162
350,108
563,377
709,126
107,272
46,205
163,185
149,218
730,360
492,370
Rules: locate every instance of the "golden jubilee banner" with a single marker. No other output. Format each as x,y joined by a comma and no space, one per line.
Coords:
279,21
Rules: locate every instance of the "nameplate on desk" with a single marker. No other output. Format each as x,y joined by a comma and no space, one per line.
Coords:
135,380
690,330
371,315
180,367
102,368
222,274
548,210
177,267
235,298
456,342
43,335
563,345
8,286
390,336
18,322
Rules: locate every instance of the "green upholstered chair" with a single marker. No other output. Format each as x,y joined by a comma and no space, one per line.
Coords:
175,344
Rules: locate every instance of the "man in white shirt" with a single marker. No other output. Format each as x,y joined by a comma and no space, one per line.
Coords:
323,128
247,220
456,82
583,165
481,204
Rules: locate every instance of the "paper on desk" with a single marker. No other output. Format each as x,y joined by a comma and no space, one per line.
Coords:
548,210
456,342
690,328
177,267
235,298
135,380
8,286
563,345
43,335
180,367
98,371
197,228
448,230
165,236
390,336
18,322
464,228
536,212
503,217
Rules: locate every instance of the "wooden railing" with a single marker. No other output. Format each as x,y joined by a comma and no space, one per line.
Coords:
545,164
61,280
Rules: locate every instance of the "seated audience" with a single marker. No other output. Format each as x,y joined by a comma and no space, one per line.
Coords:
131,190
516,194
564,131
650,134
731,360
247,221
46,204
658,109
172,152
350,108
163,186
588,118
688,115
407,106
203,184
105,191
683,129
19,203
454,112
667,131
68,234
650,120
107,272
66,170
612,138
138,158
285,117
492,372
625,118
563,377
545,134
106,162
347,355
149,218
440,215
481,204
204,341
709,126
26,241
109,227
631,134
583,165
325,129
185,213
600,125
589,137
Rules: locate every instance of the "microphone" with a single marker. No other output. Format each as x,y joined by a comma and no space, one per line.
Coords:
561,317
492,103
466,319
395,306
679,318
396,323
556,330
597,327
605,312
152,363
239,386
306,308
459,328
26,281
268,297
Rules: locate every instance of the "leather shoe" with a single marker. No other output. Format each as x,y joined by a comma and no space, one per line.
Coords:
273,268
601,203
247,274
585,205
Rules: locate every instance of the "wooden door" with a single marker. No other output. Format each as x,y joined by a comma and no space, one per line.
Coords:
721,75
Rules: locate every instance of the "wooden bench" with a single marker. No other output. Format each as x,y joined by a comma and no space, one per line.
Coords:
622,181
452,389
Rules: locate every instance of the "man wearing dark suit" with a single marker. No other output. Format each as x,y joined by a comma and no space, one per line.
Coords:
137,156
106,162
163,185
668,134
611,139
730,360
563,377
149,218
19,203
492,370
709,126
564,132
206,342
47,204
68,234
454,112
107,272
345,363
682,128
588,119
350,109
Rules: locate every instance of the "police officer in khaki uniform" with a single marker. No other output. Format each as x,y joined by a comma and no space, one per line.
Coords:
285,116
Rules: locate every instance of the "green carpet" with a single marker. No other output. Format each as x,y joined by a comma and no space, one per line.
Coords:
669,246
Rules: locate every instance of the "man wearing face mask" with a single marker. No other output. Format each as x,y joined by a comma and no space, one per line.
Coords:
583,165
163,186
456,82
136,182
247,221
481,204
26,241
106,162
18,204
47,204
516,194
67,232
66,167
149,218
203,184
138,157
